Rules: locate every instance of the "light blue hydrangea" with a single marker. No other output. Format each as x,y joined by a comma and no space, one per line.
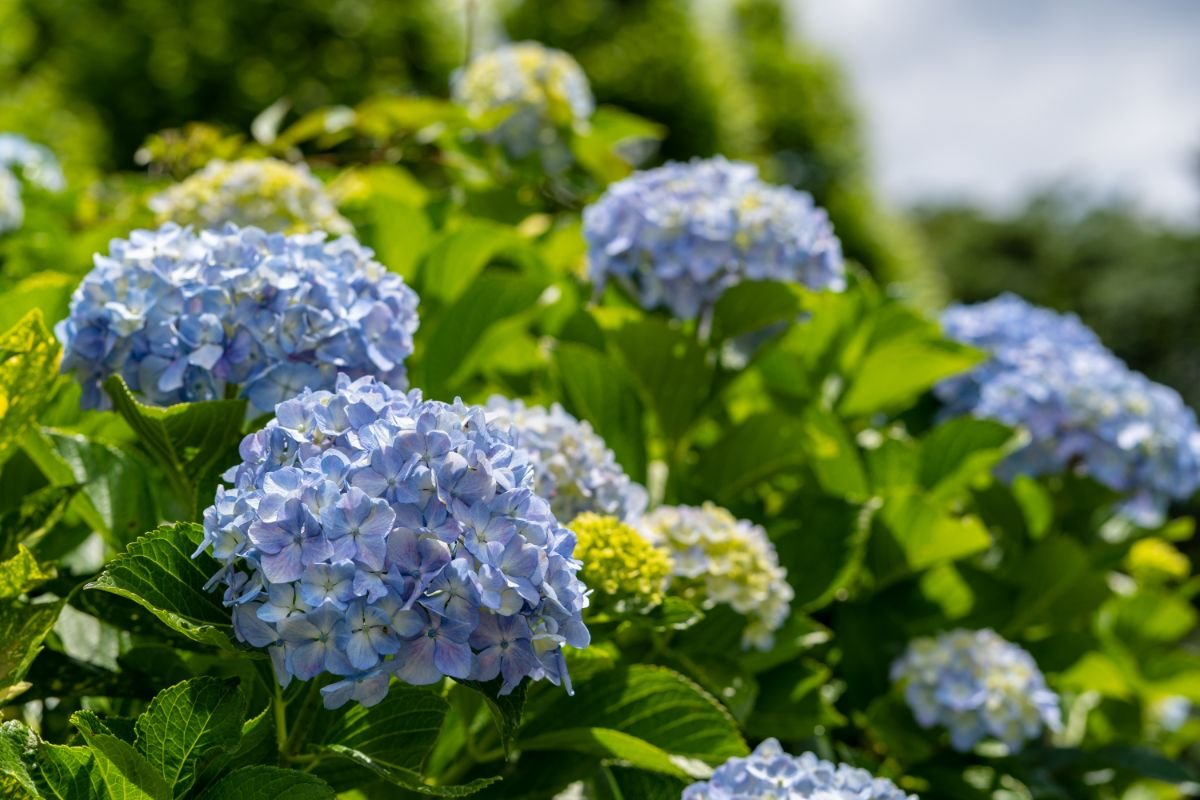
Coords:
978,686
186,316
32,161
370,533
1084,409
678,236
575,469
527,97
770,773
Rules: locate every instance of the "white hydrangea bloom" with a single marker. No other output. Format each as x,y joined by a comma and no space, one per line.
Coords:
265,193
978,685
534,93
717,558
12,210
576,471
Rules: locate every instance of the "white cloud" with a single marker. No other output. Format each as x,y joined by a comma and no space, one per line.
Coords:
987,100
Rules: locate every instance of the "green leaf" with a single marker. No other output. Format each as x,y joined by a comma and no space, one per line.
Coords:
960,451
601,391
460,255
406,778
158,572
670,368
397,733
654,704
832,455
15,780
753,450
912,533
627,783
897,370
824,554
505,709
50,292
190,441
400,234
23,626
123,770
488,299
186,723
28,370
115,499
263,782
33,519
614,136
751,306
70,773
607,743
21,573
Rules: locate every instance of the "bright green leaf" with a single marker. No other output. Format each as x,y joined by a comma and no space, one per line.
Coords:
598,390
670,368
958,452
896,372
23,626
458,258
186,723
21,573
608,743
262,782
405,778
158,572
28,370
15,781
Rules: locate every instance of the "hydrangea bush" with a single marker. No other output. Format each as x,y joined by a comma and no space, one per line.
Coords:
184,316
575,469
1084,409
370,533
977,686
644,569
678,236
528,98
770,772
251,192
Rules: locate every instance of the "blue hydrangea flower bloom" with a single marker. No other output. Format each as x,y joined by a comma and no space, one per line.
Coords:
769,772
183,316
678,236
575,469
528,96
370,533
978,686
36,164
1082,406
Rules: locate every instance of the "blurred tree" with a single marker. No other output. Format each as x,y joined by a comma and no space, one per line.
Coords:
144,65
1135,281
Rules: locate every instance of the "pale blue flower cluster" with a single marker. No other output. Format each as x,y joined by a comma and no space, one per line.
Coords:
769,772
36,164
186,316
370,533
978,686
575,469
678,236
1084,409
527,97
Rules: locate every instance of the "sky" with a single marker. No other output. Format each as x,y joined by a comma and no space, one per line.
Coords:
986,100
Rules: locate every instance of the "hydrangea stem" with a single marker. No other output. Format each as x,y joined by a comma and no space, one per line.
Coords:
280,719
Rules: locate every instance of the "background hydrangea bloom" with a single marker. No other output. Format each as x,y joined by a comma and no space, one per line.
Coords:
978,686
619,565
183,316
370,533
769,772
527,95
1083,407
36,164
717,558
262,192
575,469
678,236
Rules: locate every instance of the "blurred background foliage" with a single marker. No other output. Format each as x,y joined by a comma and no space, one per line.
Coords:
731,80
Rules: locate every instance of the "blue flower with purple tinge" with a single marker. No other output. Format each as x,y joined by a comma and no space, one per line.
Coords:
576,471
678,236
978,686
369,533
185,316
1084,409
769,772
